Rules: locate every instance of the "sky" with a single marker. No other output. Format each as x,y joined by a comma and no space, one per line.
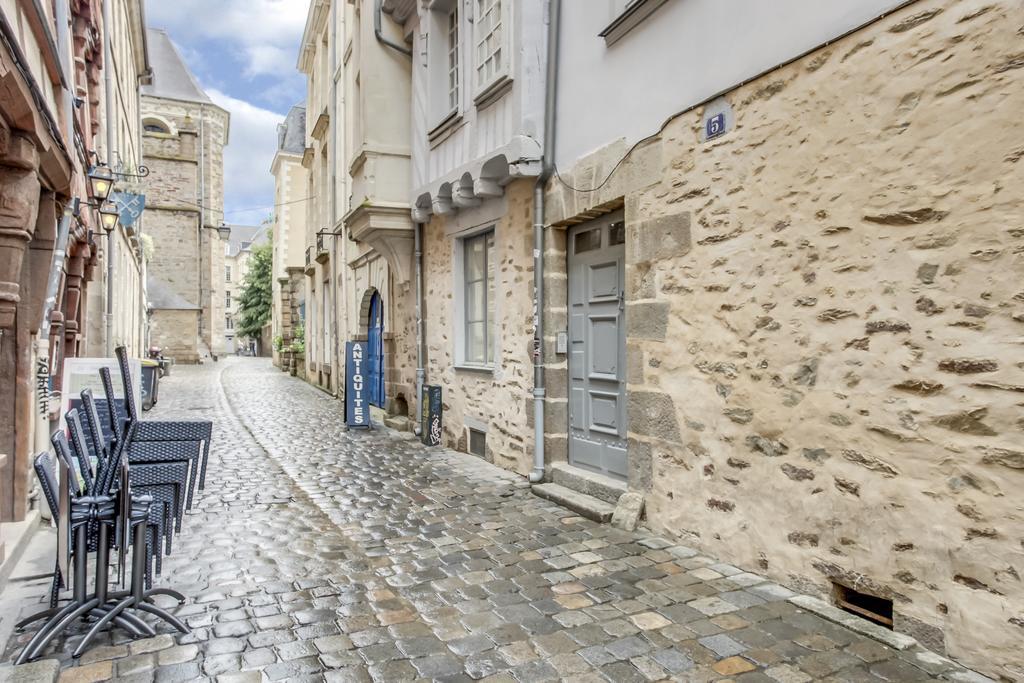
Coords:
243,52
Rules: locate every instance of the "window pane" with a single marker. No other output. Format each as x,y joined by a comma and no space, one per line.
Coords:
475,302
475,349
489,330
474,259
588,240
616,233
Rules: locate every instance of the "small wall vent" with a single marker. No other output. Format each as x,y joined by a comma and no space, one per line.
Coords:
478,442
870,607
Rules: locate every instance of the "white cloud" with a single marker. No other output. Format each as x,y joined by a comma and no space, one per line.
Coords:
266,32
247,158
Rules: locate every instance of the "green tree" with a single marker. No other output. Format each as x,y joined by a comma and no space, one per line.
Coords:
254,303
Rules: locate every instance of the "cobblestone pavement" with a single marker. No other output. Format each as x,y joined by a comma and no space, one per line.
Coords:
317,554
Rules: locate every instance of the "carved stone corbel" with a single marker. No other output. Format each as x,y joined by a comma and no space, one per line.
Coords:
19,207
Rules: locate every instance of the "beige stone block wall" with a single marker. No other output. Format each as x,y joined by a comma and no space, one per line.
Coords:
503,400
176,333
825,318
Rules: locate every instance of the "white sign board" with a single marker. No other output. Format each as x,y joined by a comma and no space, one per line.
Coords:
82,373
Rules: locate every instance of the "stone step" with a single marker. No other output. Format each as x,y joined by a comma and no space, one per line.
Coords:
588,483
399,423
580,503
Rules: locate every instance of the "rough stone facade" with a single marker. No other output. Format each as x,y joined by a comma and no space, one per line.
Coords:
824,322
498,403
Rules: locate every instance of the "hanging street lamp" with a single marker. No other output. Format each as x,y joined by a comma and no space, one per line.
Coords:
224,231
109,216
101,182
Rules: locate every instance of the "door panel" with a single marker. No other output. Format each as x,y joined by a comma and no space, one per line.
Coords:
597,347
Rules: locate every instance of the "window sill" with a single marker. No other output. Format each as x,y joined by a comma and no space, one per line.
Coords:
445,129
629,20
493,92
468,367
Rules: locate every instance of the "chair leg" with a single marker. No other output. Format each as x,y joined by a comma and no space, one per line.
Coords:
166,591
52,629
206,457
99,625
163,614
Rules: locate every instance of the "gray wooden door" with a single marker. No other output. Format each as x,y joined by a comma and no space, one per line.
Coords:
597,346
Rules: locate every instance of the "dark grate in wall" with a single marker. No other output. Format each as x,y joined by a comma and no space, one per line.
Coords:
870,607
477,442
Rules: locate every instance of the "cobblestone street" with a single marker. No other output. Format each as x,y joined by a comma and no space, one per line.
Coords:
318,554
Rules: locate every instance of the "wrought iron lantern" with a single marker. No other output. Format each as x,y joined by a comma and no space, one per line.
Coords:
109,216
224,230
101,182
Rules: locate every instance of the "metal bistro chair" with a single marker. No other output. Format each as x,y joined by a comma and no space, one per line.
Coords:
161,511
151,452
100,444
83,510
198,431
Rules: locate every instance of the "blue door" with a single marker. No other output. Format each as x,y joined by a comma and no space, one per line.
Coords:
375,352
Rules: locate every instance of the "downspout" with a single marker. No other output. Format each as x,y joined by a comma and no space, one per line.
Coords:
379,32
332,152
550,89
202,225
108,82
421,351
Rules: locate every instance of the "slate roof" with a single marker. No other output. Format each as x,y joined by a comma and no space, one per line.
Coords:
291,135
244,236
162,297
171,77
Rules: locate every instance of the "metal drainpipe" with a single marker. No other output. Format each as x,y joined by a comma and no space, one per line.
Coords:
550,90
421,351
108,82
379,32
202,225
333,154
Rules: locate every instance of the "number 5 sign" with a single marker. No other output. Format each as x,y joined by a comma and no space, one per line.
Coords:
718,119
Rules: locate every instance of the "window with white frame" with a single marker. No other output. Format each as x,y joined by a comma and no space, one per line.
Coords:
227,299
453,57
227,273
444,62
478,299
229,322
489,39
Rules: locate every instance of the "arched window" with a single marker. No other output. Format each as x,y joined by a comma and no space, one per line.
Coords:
155,126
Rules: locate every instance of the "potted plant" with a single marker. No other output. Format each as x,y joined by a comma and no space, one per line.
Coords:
279,350
297,350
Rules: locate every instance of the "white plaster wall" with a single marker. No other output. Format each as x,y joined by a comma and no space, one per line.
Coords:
520,111
683,54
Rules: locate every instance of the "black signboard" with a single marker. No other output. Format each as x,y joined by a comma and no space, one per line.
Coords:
430,417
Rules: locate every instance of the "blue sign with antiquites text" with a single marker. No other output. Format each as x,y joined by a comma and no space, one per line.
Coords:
357,407
131,206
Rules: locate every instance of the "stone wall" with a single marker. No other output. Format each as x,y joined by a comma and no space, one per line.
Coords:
825,321
500,402
177,332
187,170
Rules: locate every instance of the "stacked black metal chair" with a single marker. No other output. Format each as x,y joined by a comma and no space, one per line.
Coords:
121,492
148,433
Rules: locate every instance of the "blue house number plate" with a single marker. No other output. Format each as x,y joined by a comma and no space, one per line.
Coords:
715,126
